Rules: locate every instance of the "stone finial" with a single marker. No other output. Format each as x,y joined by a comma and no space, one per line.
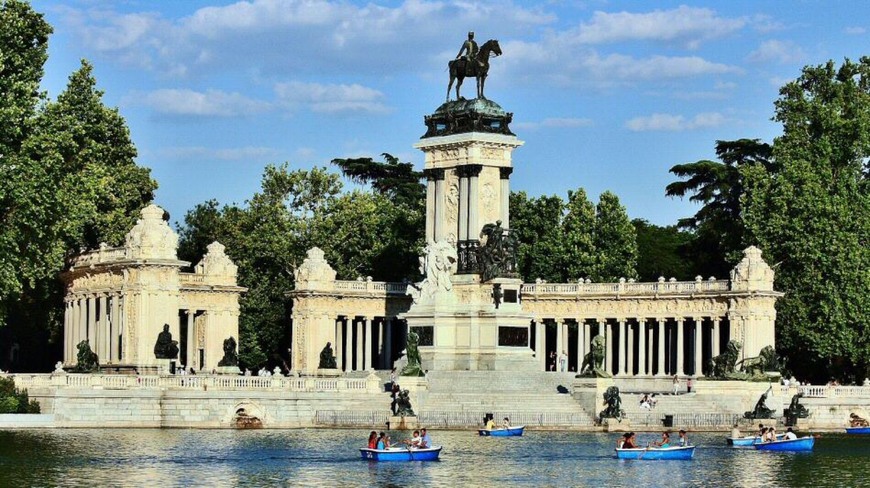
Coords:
217,265
315,273
752,273
151,237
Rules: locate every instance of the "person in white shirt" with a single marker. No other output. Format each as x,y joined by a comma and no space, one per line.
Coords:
789,435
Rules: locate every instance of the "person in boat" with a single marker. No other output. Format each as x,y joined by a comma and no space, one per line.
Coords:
425,440
771,434
761,430
684,439
665,442
735,432
373,440
622,440
415,439
490,425
387,443
789,435
630,441
506,423
381,444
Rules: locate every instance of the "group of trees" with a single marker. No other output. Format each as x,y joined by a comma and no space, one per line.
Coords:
804,201
68,180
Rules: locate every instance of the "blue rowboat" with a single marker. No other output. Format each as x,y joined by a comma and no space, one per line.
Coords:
656,453
748,441
799,444
509,432
401,454
858,430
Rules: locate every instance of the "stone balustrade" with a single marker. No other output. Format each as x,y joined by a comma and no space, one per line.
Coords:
825,391
102,255
626,288
372,384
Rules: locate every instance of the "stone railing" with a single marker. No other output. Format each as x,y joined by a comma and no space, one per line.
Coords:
824,391
368,286
97,256
626,288
372,384
191,278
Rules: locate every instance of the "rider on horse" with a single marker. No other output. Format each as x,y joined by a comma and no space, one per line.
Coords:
470,49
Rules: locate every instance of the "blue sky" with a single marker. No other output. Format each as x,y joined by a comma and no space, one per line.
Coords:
606,95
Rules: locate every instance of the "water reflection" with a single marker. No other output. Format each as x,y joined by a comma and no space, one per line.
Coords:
153,457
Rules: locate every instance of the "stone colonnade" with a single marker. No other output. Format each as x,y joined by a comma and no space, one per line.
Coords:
97,318
635,346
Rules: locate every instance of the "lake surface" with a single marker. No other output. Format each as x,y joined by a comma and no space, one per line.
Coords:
319,457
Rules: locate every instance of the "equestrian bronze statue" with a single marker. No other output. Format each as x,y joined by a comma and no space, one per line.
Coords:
477,67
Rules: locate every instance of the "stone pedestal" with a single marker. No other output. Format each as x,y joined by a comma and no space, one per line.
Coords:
613,425
228,370
327,373
404,423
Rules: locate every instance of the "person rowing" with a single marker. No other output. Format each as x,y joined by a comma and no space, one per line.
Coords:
665,442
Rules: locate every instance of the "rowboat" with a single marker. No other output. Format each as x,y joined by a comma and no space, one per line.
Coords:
799,444
858,430
401,454
509,432
656,453
748,441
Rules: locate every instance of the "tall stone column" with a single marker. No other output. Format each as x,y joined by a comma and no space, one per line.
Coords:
430,208
699,349
103,328
505,192
661,361
580,348
368,363
114,355
358,365
641,347
190,345
67,331
608,348
540,343
681,323
380,345
440,205
629,355
474,197
587,339
622,346
560,341
715,349
463,203
92,320
339,343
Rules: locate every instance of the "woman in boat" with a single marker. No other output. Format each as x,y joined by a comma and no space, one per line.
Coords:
771,434
621,441
373,440
665,442
684,439
506,423
415,439
490,425
381,444
629,441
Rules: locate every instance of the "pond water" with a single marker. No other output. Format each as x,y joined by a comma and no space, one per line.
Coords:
320,457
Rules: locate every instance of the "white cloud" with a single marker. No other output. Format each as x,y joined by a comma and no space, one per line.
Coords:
224,154
211,103
327,98
855,31
555,123
777,52
689,25
674,123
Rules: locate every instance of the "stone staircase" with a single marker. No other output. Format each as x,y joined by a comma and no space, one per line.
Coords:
684,408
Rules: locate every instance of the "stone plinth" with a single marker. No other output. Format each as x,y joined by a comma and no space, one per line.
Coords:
404,423
327,373
228,370
613,425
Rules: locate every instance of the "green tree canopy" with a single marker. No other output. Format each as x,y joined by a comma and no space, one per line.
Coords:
662,252
615,241
810,214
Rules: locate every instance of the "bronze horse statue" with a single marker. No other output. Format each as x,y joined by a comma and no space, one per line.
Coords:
479,69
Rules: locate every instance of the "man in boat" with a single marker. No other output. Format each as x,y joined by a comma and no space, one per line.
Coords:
735,432
506,423
415,439
789,435
684,439
425,440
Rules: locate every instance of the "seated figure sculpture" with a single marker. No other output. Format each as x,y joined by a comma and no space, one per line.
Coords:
403,405
86,359
593,362
795,410
165,347
761,411
614,404
413,368
327,358
230,357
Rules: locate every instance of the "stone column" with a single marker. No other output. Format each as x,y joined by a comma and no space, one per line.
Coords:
474,199
440,205
116,328
380,344
641,347
629,355
540,343
715,349
190,346
681,323
358,364
102,326
430,208
67,331
505,193
587,339
339,343
661,365
698,349
608,346
388,342
91,323
368,363
580,352
463,204
560,341
622,346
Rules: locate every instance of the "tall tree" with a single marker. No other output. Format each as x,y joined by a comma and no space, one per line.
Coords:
811,216
536,224
579,254
717,186
615,241
661,252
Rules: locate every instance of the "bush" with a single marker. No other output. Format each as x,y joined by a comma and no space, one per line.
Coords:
13,400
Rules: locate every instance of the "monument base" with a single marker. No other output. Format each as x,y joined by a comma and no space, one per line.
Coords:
327,373
613,425
403,423
228,370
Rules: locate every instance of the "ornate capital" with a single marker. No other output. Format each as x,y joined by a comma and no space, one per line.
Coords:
434,174
473,169
505,173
